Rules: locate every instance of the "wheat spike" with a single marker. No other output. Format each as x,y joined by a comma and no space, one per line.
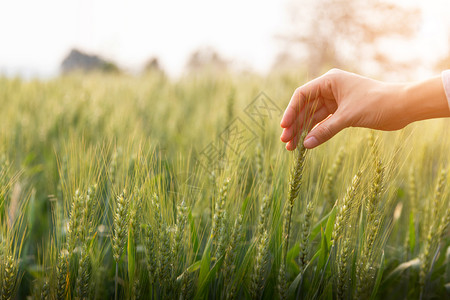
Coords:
120,226
10,273
62,272
261,260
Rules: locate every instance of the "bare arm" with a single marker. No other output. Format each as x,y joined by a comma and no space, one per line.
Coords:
340,99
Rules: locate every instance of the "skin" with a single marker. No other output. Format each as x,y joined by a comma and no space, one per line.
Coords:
339,99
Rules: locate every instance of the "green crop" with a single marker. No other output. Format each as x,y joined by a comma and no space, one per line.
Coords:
106,192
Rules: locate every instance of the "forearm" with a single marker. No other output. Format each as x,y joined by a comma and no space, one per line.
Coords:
425,100
350,100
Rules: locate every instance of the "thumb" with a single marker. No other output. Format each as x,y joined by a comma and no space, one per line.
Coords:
324,131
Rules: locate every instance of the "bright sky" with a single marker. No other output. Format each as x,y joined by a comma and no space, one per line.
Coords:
36,35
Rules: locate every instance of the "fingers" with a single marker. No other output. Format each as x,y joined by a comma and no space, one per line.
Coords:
292,144
291,135
312,113
304,123
307,108
318,117
293,109
303,94
324,131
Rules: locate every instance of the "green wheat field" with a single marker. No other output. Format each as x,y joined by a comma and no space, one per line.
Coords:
124,187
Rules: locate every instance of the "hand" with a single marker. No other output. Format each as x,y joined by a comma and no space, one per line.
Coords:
340,99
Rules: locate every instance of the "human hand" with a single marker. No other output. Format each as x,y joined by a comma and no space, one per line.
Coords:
340,99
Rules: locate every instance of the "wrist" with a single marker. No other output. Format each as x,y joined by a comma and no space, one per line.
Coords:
424,100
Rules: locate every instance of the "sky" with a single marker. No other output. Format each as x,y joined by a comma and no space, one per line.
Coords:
35,36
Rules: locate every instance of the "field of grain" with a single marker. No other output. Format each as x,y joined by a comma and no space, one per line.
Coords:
122,187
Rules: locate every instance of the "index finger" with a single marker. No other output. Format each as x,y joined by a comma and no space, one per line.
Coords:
302,95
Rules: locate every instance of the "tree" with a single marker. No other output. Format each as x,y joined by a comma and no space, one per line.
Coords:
77,60
153,66
337,33
206,59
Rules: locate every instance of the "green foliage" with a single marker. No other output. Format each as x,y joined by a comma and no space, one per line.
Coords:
103,194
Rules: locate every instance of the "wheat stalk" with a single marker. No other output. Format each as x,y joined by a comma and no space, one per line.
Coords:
120,228
294,188
136,290
10,273
259,162
75,217
150,254
166,259
84,275
343,260
187,286
263,215
45,291
330,177
433,234
412,195
261,260
364,272
343,213
230,257
304,236
217,229
182,214
62,273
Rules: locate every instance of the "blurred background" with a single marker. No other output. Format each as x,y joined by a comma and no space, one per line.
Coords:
170,98
396,40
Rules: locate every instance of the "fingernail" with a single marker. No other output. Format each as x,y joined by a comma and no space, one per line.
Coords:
310,142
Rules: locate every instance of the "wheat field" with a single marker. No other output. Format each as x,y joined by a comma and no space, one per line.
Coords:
125,187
